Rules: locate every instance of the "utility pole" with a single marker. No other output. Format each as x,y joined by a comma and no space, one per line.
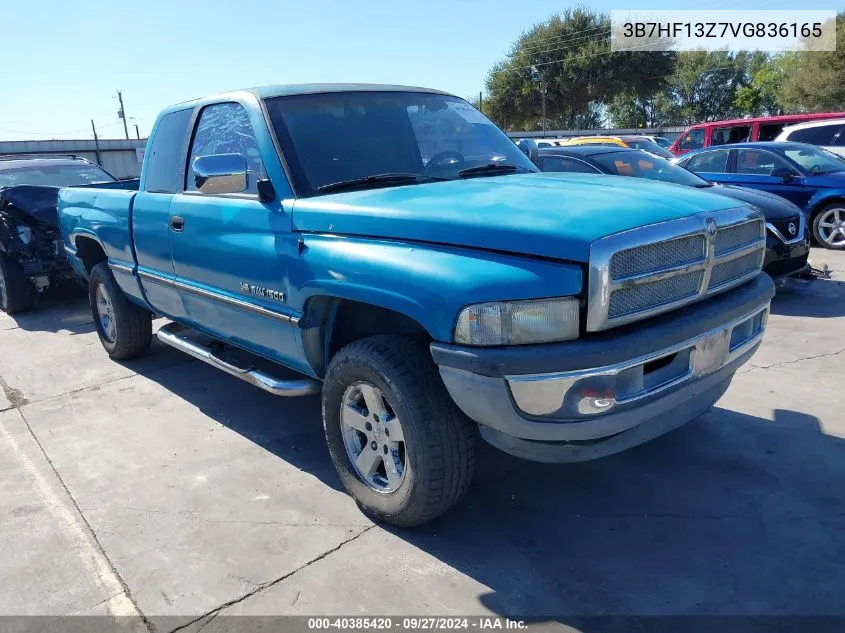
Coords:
480,101
96,144
137,133
122,114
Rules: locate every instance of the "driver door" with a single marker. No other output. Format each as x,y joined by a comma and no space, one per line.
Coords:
231,251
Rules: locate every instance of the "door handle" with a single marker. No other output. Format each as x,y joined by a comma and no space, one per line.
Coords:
177,223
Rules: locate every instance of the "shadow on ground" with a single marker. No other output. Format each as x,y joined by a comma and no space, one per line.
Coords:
731,514
821,298
58,310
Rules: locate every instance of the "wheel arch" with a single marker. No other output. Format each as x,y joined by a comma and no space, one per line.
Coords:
331,322
90,251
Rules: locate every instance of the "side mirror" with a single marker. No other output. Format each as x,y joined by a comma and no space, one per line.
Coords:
220,173
783,173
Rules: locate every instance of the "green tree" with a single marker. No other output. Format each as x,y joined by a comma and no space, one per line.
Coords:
815,80
570,56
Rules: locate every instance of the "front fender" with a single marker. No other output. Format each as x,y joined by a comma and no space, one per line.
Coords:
428,283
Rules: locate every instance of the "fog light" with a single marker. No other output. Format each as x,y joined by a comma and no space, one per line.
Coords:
592,401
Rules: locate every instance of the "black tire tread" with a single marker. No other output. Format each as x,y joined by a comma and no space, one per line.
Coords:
450,450
133,323
20,294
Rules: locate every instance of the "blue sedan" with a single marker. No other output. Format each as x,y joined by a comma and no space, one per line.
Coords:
809,176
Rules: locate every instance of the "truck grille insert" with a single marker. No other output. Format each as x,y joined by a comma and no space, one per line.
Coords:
659,256
664,266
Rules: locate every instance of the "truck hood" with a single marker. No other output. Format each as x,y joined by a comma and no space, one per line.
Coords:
30,204
544,214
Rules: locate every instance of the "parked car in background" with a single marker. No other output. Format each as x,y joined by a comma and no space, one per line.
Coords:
424,293
634,142
31,255
665,143
828,134
808,176
787,235
765,128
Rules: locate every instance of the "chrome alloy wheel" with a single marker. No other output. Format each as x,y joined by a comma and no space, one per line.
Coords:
372,435
105,312
832,227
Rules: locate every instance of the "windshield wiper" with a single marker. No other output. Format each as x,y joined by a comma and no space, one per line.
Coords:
492,168
377,179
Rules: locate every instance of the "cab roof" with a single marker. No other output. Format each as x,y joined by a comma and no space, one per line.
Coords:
287,90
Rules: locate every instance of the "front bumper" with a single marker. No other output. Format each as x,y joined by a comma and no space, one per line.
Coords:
602,394
785,254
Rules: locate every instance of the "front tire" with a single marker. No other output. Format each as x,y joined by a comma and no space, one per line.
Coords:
17,294
829,226
401,447
125,329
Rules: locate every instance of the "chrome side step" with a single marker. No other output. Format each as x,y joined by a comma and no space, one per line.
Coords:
176,336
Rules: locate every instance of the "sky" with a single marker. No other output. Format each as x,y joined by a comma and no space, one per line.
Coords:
65,61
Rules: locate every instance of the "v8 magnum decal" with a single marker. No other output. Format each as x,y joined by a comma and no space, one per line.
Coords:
260,291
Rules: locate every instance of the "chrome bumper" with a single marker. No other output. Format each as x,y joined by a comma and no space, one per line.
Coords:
583,394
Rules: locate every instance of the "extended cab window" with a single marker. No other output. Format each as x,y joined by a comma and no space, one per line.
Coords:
165,153
224,128
378,138
715,162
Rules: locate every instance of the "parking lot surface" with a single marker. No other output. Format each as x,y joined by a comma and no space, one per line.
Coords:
166,489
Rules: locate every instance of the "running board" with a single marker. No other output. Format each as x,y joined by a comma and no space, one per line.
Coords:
174,335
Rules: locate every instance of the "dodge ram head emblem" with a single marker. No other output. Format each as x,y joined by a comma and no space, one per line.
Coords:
711,227
267,293
792,228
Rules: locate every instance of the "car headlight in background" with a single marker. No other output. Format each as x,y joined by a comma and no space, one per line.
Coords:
518,322
25,233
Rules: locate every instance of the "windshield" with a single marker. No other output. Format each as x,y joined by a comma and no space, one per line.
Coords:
332,138
663,142
54,175
815,160
640,164
648,146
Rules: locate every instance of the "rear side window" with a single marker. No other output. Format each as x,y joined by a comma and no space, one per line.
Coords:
694,139
819,135
224,128
727,135
769,131
165,153
715,162
559,163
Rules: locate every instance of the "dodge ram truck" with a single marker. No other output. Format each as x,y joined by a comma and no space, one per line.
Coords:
391,249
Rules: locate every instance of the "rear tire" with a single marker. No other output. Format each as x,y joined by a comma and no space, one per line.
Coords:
16,293
437,453
125,329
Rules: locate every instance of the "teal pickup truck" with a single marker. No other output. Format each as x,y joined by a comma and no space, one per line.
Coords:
390,248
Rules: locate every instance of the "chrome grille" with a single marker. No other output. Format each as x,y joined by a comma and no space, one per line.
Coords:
659,256
660,267
733,237
645,296
734,269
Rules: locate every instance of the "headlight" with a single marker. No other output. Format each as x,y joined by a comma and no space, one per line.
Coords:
518,322
25,233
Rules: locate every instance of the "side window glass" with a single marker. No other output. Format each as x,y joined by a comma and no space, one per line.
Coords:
727,135
693,140
819,135
555,163
710,162
224,128
756,163
165,153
